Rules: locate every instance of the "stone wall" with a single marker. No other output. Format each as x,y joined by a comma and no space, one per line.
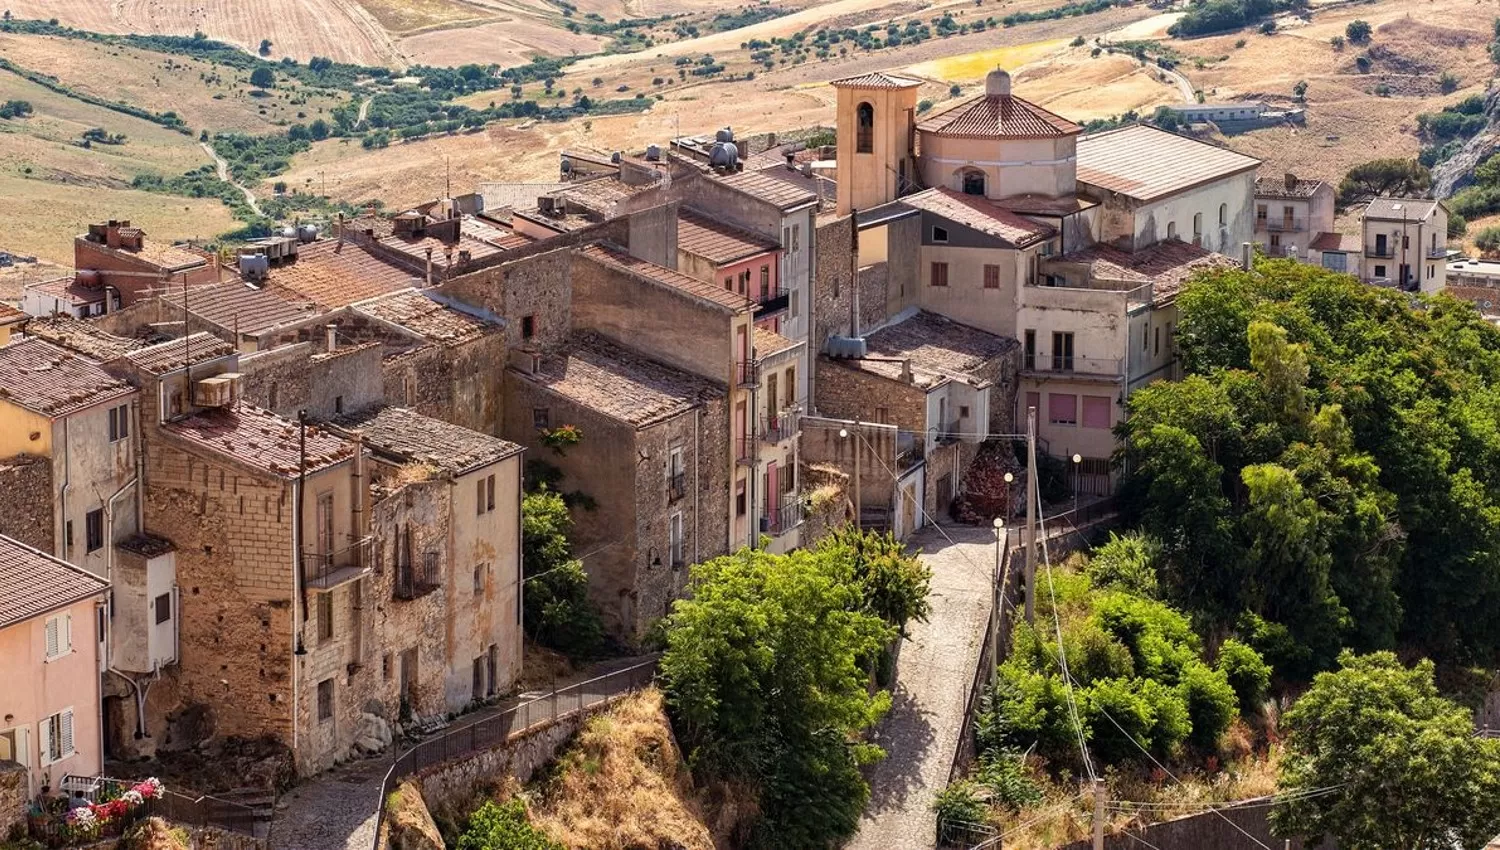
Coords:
847,392
454,784
1226,828
832,296
26,500
303,377
538,286
822,446
13,797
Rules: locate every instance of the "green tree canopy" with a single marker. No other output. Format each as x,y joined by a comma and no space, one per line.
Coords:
503,826
262,77
557,611
1400,177
1400,765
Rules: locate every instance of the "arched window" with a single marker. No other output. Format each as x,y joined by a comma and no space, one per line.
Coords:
973,182
1171,230
1223,214
864,135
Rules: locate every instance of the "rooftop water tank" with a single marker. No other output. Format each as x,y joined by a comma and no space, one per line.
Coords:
254,266
307,232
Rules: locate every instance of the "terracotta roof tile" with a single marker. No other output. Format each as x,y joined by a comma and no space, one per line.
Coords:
234,304
437,322
1286,187
68,287
617,259
621,384
86,338
33,583
758,184
877,80
981,214
715,241
937,347
999,116
260,439
174,354
10,315
336,273
1346,242
1145,163
768,343
406,435
49,380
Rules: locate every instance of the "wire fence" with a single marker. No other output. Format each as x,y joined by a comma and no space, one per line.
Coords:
496,729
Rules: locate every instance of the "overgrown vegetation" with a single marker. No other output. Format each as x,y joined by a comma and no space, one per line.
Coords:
558,612
1067,10
766,674
1328,474
15,109
1216,16
1444,133
503,826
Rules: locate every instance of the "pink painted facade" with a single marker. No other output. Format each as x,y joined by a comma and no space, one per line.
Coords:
49,709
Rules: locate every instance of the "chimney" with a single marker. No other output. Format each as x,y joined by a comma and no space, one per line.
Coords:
906,371
429,266
112,234
1291,181
332,331
1247,255
791,159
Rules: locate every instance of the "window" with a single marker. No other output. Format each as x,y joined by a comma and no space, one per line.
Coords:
676,473
478,678
325,700
68,534
1223,214
796,237
792,308
1260,214
744,282
163,607
1096,411
1275,242
765,282
59,631
494,669
57,736
119,423
541,418
1062,408
93,523
484,494
864,128
674,539
791,386
939,274
973,182
940,235
480,570
1380,271
325,617
1156,341
729,284
963,411
1171,230
1145,337
528,327
739,499
489,493
338,404
1062,351
992,275
385,667
1197,228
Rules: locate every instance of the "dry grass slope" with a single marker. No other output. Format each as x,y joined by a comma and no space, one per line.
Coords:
622,785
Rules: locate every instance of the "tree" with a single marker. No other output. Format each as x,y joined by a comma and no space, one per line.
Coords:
1488,240
262,77
503,826
1358,31
766,679
1399,177
557,609
265,47
894,585
319,129
1403,764
1299,91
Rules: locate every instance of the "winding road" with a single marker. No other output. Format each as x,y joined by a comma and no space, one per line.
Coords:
223,167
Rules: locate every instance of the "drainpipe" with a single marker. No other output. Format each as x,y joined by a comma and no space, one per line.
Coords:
299,591
66,488
429,267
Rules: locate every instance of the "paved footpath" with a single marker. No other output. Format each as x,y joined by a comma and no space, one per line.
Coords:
934,671
336,810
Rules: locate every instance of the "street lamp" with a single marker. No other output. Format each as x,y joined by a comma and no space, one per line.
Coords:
999,590
1010,509
1077,483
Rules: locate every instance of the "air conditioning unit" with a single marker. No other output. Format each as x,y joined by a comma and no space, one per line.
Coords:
218,391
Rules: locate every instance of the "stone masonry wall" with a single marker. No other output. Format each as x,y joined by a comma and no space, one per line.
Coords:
832,272
847,392
26,500
13,796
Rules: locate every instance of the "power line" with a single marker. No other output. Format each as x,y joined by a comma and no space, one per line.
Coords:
1062,653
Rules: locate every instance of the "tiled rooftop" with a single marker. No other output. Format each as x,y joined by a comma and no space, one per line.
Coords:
49,380
234,304
1400,209
715,240
405,435
1145,163
174,354
877,80
85,338
69,288
621,261
937,347
1289,186
981,214
10,315
259,439
780,193
1166,265
163,256
999,116
437,322
33,583
333,273
769,343
621,384
444,254
600,194
1349,243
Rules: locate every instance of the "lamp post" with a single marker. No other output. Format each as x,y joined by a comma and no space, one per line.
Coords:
1010,510
1077,483
999,591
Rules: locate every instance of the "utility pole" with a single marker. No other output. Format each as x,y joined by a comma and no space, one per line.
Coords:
998,603
857,507
1098,814
1029,542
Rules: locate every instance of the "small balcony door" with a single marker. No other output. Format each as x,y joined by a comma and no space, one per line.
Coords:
325,529
1381,245
773,491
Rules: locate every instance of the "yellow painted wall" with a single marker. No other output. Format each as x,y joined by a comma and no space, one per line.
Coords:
867,180
17,425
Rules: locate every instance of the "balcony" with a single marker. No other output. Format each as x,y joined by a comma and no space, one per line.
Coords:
1378,251
775,301
1075,366
947,432
779,428
782,518
747,374
745,451
1281,225
909,451
327,570
417,577
676,486
1437,252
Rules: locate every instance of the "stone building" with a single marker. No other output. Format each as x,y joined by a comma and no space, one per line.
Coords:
115,257
1292,214
654,457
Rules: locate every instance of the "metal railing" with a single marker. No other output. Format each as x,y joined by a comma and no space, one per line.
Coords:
1282,225
1437,252
746,450
497,729
416,576
775,301
779,427
1067,365
947,432
1374,250
186,809
326,570
747,373
787,516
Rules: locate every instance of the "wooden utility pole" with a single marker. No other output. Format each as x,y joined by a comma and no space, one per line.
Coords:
998,603
1029,541
1099,814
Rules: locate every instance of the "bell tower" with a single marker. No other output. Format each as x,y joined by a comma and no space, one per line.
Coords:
876,137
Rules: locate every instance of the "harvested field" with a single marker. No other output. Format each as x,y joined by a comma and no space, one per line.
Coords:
506,41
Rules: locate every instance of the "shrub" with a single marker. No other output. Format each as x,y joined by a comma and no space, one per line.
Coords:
1447,83
1488,240
1127,562
1358,31
503,826
1268,27
954,90
1337,42
1211,703
924,105
1457,226
959,811
262,77
1247,673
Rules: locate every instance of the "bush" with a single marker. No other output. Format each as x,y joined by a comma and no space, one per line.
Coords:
503,826
1268,27
1488,240
960,813
1247,673
924,105
1448,83
15,109
1457,225
1127,562
1212,703
262,77
1337,42
1358,31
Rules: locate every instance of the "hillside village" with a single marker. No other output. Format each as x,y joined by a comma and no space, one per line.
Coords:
276,495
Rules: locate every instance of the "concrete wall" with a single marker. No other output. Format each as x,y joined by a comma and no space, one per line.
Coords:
1011,167
138,643
965,299
1235,195
487,614
42,688
1226,828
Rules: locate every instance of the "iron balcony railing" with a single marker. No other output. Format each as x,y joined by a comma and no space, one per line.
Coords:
785,517
1437,252
909,451
327,570
745,451
1283,225
747,373
774,301
779,428
1375,250
1104,366
417,576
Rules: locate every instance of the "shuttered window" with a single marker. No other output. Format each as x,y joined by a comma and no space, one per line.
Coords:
1096,411
1062,408
991,276
939,274
57,736
59,631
